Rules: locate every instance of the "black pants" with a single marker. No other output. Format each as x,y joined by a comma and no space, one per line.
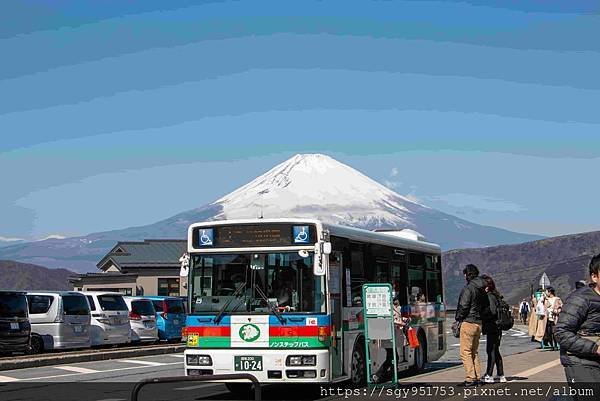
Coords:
584,379
549,335
492,347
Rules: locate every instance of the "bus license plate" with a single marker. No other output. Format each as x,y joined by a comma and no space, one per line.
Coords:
248,363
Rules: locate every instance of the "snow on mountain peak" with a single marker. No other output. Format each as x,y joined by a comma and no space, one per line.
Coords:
318,186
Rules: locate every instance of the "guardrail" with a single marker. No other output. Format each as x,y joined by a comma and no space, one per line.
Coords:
160,380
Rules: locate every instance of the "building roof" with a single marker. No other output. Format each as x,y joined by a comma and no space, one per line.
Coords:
155,253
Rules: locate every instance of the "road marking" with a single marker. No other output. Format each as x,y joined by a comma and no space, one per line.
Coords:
76,369
176,355
194,387
455,345
146,363
103,371
6,379
538,369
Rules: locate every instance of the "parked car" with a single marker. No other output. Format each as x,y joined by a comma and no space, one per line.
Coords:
170,317
110,318
59,320
142,317
15,330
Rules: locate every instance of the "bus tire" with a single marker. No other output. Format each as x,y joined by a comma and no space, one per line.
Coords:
420,355
241,390
37,344
358,365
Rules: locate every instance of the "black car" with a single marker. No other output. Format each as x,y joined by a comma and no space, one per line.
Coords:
15,330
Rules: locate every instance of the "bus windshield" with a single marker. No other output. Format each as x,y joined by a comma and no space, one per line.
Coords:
232,283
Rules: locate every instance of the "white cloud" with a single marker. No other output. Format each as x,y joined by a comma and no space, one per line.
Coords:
478,202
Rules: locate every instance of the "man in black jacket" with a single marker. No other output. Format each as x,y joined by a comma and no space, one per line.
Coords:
473,307
578,333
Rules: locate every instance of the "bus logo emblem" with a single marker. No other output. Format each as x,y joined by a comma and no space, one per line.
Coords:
249,333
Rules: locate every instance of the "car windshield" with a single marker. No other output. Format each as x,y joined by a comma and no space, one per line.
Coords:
13,305
112,303
233,282
174,306
143,307
75,305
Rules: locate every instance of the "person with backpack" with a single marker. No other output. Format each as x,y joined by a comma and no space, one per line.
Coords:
524,310
578,333
473,306
493,332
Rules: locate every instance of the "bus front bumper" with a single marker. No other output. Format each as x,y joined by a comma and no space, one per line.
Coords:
267,365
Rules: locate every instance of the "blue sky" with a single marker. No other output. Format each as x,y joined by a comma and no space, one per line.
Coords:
117,113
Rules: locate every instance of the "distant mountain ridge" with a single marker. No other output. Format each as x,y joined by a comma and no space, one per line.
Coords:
313,185
517,268
25,276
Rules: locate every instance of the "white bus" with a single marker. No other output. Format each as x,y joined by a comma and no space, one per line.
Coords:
281,298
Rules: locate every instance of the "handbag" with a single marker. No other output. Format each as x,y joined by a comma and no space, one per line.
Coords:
456,328
413,340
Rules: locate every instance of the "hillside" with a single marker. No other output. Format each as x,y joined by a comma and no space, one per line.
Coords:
24,276
515,268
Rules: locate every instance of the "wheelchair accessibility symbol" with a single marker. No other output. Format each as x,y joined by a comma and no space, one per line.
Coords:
206,238
301,235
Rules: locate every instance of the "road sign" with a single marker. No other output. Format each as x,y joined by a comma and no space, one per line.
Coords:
379,327
544,281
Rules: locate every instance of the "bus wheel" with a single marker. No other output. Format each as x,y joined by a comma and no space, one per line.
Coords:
37,345
420,356
241,390
358,367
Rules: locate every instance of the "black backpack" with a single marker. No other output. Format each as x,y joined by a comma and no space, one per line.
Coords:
504,319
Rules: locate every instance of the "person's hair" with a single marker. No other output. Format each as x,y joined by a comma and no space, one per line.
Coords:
490,284
551,290
579,284
595,265
471,271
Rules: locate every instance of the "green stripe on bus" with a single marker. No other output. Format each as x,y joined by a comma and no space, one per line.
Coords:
214,342
297,342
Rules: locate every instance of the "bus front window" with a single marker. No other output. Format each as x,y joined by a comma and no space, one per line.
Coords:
256,282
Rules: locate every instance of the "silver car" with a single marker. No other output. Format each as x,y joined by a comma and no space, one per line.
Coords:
142,317
59,320
110,318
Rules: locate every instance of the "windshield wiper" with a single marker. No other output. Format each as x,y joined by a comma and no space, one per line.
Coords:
224,307
266,299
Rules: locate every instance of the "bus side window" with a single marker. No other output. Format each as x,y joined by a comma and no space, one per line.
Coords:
434,279
358,276
416,278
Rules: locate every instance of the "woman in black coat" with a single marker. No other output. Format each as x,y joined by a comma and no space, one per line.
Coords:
578,333
493,334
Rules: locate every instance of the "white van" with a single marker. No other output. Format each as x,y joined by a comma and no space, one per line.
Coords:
59,320
142,317
110,318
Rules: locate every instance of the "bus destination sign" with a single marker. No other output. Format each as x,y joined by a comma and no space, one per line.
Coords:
253,235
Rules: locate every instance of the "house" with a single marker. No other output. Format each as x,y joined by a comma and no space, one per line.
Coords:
150,267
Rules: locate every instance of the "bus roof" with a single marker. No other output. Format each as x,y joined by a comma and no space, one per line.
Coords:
352,233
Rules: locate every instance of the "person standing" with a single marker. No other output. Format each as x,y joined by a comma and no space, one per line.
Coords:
524,310
473,305
578,333
493,334
553,308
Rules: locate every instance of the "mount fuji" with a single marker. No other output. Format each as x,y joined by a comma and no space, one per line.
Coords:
311,185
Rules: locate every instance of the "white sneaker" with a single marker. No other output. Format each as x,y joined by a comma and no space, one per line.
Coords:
501,379
487,379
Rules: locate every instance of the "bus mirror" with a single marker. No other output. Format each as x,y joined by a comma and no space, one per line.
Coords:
326,248
319,267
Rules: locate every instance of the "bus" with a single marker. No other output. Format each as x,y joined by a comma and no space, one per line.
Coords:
281,299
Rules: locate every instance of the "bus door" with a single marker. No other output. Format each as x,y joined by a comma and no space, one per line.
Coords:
336,347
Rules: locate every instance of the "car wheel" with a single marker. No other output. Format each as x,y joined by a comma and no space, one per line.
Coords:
37,345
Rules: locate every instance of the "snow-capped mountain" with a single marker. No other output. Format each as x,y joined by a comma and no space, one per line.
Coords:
313,185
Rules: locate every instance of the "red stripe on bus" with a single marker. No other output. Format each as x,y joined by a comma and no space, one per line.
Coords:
298,331
217,331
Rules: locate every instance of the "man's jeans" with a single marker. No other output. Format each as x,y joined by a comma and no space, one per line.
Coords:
469,350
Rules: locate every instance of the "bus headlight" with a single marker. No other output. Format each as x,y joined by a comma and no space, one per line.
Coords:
301,360
198,360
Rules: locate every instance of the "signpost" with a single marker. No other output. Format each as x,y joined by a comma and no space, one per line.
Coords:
379,326
544,281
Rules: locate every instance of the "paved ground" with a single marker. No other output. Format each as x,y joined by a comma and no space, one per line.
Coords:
113,380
